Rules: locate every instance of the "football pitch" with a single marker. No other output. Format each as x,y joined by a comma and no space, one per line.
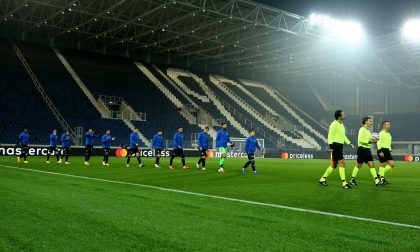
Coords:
46,207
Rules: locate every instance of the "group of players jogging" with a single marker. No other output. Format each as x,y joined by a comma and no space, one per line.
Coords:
336,140
222,143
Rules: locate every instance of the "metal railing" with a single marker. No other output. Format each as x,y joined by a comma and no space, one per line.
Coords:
237,97
63,123
249,124
125,112
298,109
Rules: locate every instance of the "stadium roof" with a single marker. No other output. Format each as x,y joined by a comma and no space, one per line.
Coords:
234,35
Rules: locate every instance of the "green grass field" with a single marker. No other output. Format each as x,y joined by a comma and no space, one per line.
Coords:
47,211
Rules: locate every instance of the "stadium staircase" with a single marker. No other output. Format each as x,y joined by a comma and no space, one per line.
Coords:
295,111
103,110
63,123
201,117
65,94
247,120
17,110
218,82
115,76
187,109
197,89
101,106
275,100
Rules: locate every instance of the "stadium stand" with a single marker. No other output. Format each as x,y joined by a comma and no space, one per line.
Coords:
161,97
17,111
67,96
115,76
289,111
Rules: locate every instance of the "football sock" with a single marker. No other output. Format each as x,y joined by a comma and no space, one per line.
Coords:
139,160
354,173
172,160
387,168
128,159
342,172
374,175
183,161
48,156
222,162
199,161
203,162
327,173
253,165
382,171
247,164
157,160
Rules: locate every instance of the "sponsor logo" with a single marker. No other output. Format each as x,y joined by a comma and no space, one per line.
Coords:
350,157
210,154
286,155
120,152
34,151
229,154
409,158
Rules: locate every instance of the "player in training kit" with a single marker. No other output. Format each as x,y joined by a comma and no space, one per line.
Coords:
178,151
90,139
222,140
364,155
251,145
53,146
384,151
203,146
23,143
134,147
158,145
336,140
106,144
66,144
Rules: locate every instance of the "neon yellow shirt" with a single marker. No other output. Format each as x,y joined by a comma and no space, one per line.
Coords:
364,138
385,140
337,133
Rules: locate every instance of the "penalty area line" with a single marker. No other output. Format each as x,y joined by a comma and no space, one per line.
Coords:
296,209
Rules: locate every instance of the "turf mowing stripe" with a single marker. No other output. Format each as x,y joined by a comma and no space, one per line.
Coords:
223,198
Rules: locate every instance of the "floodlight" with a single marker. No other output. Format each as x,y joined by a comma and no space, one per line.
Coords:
411,30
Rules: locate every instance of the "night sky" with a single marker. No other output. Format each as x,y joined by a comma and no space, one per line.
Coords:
377,16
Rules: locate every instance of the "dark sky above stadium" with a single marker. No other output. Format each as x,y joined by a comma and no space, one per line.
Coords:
377,16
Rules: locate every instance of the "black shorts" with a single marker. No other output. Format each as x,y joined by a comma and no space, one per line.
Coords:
24,148
134,150
52,149
387,155
203,152
89,148
364,155
107,150
66,150
337,153
178,152
158,151
251,156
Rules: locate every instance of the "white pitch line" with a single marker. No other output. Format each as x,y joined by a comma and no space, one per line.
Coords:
224,198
